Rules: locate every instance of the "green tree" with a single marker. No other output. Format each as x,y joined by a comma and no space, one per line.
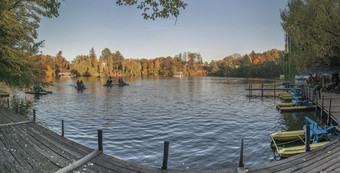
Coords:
153,9
100,65
19,21
106,53
313,28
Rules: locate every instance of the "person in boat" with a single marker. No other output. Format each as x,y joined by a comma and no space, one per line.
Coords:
120,81
81,84
109,82
78,83
36,88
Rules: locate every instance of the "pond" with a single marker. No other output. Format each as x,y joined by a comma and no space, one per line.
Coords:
203,118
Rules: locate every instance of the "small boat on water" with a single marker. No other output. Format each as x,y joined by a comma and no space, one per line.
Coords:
80,88
296,105
106,85
178,74
291,143
4,94
44,92
38,93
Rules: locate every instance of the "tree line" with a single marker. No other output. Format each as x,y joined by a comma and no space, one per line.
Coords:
266,64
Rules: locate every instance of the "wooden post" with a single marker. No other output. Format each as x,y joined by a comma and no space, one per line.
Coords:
329,111
18,108
249,91
321,111
308,98
100,140
262,90
33,115
8,102
165,155
274,91
307,135
240,159
316,106
62,128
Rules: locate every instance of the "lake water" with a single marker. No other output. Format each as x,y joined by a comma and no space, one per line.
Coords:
204,118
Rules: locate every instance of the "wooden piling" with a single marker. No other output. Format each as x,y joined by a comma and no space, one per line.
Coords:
307,135
249,91
8,102
262,90
240,159
329,111
100,140
62,128
165,155
322,100
18,108
33,115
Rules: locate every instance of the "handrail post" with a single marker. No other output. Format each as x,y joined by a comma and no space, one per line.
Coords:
307,133
34,115
165,155
100,140
62,128
274,91
322,100
262,90
8,102
329,111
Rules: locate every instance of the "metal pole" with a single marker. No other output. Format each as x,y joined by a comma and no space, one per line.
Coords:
165,155
274,91
262,90
8,102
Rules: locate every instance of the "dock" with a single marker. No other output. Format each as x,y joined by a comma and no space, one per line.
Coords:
28,147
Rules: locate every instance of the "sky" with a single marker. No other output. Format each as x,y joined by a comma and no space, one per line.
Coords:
213,28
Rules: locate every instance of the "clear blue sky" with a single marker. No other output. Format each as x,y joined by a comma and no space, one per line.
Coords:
213,28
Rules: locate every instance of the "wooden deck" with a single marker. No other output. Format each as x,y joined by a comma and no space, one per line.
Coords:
28,147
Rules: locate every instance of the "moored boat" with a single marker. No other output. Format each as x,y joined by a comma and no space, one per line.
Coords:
291,143
33,92
4,94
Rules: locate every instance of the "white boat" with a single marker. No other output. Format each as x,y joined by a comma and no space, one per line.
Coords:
178,74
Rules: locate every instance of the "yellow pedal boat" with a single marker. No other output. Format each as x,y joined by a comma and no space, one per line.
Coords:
295,108
288,136
290,151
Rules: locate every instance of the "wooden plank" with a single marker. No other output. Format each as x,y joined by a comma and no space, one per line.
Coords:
80,162
13,137
16,123
309,164
42,163
45,151
11,156
287,163
71,144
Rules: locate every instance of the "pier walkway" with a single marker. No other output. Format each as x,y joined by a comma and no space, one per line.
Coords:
28,147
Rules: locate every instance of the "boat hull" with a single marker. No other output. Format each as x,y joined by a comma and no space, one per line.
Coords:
291,151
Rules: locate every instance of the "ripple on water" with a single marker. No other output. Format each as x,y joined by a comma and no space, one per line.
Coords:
204,118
